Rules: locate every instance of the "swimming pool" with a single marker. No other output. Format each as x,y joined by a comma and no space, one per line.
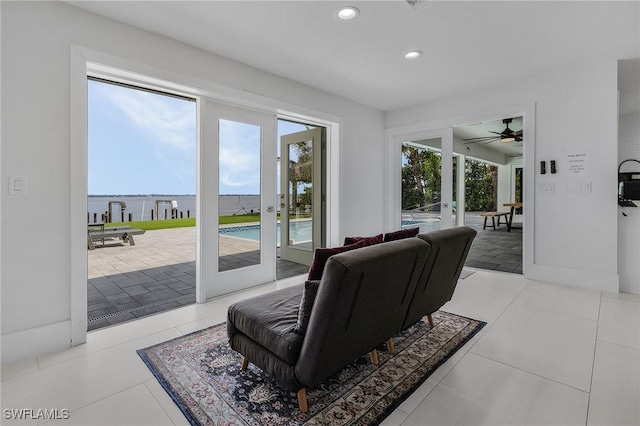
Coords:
299,231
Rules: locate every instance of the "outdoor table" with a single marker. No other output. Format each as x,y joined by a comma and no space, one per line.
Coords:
513,206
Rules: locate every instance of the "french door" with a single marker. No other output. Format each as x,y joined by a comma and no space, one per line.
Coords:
237,234
301,195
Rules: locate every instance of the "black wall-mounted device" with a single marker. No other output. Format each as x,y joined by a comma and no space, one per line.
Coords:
552,163
628,186
629,190
543,167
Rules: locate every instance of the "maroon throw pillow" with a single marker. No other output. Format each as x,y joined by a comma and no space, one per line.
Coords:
402,234
321,255
376,239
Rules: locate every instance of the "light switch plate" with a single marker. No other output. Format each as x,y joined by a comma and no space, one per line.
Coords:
17,185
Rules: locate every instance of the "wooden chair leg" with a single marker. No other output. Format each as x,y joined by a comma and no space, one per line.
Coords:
374,357
302,400
390,346
430,319
245,363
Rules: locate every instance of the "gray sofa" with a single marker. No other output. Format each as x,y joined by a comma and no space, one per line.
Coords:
364,297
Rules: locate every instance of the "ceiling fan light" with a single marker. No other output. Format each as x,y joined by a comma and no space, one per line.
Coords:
507,139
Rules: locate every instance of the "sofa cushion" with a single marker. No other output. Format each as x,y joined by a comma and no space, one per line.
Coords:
306,304
375,239
401,234
269,320
321,255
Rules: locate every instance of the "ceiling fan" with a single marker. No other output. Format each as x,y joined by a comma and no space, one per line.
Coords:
506,136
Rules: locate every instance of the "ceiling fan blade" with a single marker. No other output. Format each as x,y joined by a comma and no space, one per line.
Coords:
487,139
497,133
518,133
480,138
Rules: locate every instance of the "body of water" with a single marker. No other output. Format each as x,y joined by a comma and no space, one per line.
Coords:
140,206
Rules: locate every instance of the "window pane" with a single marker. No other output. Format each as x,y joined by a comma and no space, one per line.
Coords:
239,195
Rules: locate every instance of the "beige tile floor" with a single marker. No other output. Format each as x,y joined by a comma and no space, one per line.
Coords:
550,355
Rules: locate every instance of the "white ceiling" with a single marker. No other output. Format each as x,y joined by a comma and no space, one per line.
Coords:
481,129
467,45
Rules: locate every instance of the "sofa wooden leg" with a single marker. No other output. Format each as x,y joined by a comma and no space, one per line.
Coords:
374,357
390,347
302,400
245,363
430,320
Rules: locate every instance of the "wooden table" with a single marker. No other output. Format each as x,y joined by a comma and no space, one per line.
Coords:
513,206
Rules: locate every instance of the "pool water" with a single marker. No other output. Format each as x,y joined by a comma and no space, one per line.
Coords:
299,231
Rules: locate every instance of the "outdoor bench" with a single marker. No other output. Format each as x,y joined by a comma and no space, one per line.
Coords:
100,233
493,216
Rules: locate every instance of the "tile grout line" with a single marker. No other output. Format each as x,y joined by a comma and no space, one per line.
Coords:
107,348
156,399
593,363
107,396
531,373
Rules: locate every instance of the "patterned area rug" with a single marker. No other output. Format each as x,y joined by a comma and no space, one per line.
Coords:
202,375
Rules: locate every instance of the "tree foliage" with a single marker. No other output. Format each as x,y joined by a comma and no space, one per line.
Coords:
421,181
300,173
481,181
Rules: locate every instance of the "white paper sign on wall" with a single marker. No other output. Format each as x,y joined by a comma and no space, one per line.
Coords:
577,164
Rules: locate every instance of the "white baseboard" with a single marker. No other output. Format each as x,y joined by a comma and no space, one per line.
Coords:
35,341
574,277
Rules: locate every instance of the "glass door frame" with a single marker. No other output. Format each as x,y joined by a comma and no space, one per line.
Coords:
393,184
214,282
290,252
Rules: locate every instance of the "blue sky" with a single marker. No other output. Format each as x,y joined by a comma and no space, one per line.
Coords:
140,142
145,143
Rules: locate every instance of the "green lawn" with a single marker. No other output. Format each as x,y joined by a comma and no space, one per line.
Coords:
150,225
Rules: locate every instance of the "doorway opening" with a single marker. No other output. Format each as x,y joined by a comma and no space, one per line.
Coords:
141,204
492,153
486,183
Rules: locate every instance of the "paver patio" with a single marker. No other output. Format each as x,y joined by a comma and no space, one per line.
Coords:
157,273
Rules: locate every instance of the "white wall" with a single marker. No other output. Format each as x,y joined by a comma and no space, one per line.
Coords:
36,40
629,226
575,234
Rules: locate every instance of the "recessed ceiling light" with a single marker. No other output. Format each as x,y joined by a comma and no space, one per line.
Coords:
413,54
347,13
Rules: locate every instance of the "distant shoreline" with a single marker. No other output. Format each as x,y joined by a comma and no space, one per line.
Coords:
141,206
164,195
142,195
